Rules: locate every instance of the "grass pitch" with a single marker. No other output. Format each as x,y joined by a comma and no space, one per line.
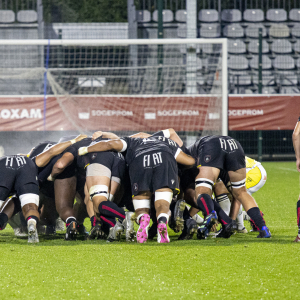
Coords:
242,267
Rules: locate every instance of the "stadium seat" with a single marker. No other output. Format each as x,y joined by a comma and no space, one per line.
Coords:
143,16
181,31
284,62
253,46
167,16
296,46
233,31
252,31
296,31
27,16
281,47
286,78
210,30
268,78
211,49
279,31
254,15
231,15
294,14
240,79
268,90
236,62
7,16
289,90
208,15
266,62
236,47
276,15
180,15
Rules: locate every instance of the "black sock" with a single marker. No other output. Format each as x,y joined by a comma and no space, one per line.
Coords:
93,221
162,220
3,220
70,220
107,223
111,210
223,218
32,217
255,214
205,204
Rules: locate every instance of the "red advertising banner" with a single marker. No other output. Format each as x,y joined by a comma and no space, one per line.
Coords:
145,113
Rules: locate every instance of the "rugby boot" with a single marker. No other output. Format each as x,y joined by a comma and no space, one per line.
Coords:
142,233
32,232
59,224
115,232
204,229
20,232
162,233
50,230
72,231
227,230
95,232
190,227
297,239
178,215
128,224
243,230
82,231
264,233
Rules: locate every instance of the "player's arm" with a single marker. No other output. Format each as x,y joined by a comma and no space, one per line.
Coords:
184,159
106,135
142,135
60,165
296,143
115,145
43,159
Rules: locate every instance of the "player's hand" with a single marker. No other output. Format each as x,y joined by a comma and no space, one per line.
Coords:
82,151
298,164
80,137
96,134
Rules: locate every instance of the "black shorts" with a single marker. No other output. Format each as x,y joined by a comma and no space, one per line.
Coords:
222,152
18,174
113,161
187,178
153,171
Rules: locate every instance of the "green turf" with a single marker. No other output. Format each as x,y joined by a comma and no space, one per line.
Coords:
242,267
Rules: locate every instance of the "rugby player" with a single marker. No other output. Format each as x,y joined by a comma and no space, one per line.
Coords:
223,153
153,170
296,143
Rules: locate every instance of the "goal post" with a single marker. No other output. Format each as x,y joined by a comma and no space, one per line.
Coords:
126,85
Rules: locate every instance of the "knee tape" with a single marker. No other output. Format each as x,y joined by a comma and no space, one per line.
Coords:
98,170
98,190
167,196
204,182
111,197
238,184
143,203
29,198
116,179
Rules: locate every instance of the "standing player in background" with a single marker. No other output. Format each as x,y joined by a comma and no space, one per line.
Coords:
296,143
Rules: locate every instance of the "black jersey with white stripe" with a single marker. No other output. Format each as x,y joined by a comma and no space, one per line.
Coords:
139,146
40,148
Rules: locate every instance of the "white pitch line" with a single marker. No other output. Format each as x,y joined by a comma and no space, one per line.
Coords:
288,169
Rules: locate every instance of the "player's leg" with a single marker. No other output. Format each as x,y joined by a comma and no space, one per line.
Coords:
65,191
297,239
8,208
29,199
238,179
163,198
141,204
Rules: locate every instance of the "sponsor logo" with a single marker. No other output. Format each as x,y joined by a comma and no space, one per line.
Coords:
84,115
111,113
21,113
164,113
135,187
246,112
94,155
172,180
207,158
